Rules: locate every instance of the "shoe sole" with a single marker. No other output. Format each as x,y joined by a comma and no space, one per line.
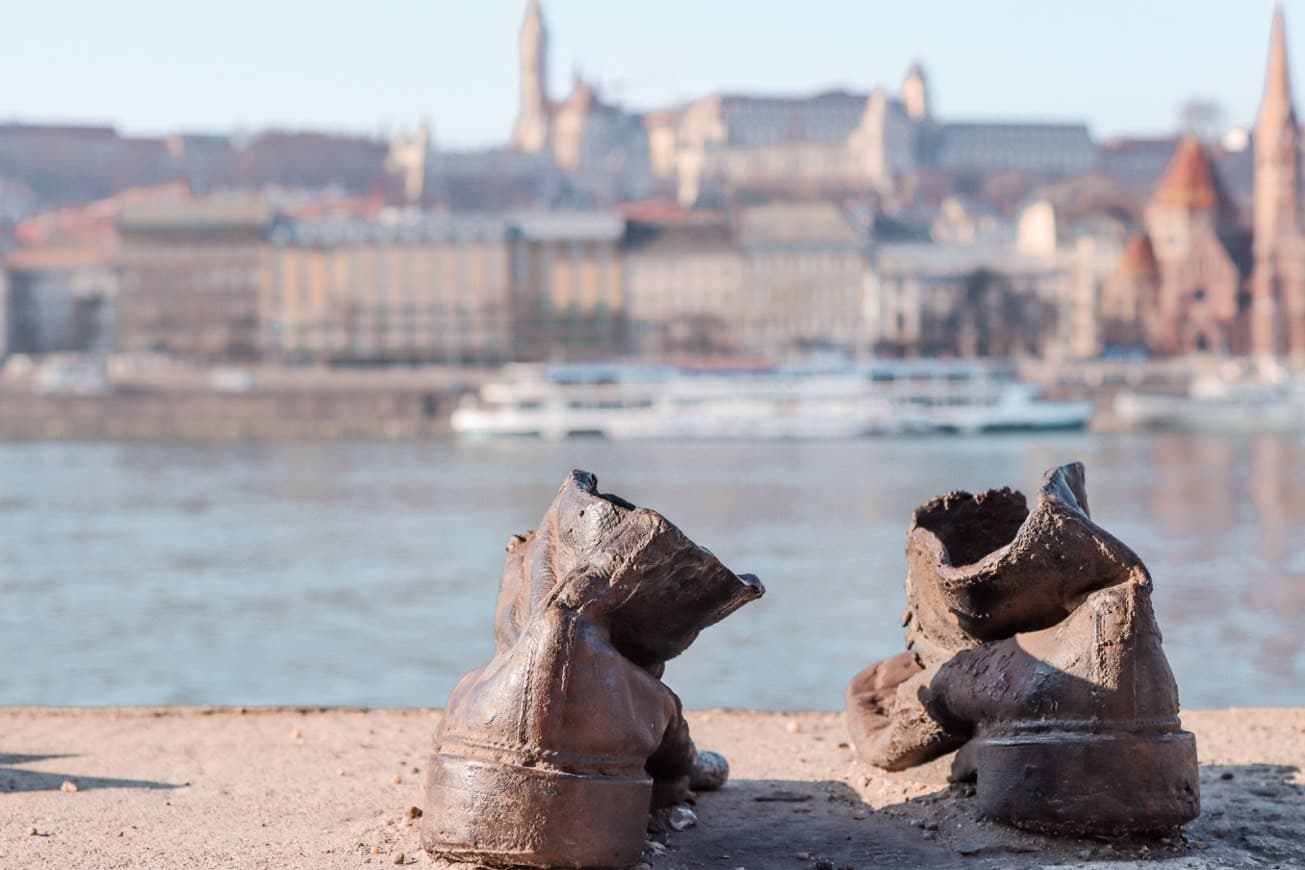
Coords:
1067,781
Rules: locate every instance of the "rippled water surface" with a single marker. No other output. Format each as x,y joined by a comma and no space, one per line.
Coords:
365,573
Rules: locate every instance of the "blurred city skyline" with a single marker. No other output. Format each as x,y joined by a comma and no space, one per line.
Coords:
1124,68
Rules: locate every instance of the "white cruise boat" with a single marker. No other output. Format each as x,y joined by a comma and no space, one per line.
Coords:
1240,397
768,402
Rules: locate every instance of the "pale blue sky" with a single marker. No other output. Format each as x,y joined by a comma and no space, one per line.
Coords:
156,65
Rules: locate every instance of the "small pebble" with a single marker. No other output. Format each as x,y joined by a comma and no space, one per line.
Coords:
803,856
399,858
713,769
413,813
340,772
375,850
655,847
68,785
31,832
396,779
682,818
1085,855
1227,774
296,734
792,727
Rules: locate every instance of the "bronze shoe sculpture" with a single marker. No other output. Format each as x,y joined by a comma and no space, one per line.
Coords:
1033,648
553,753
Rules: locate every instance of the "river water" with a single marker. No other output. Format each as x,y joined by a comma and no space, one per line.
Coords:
365,573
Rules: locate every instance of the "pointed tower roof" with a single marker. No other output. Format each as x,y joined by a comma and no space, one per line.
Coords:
532,22
1276,104
1139,257
583,97
915,93
1189,181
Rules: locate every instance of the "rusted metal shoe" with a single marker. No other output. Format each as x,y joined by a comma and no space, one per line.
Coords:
1033,648
553,753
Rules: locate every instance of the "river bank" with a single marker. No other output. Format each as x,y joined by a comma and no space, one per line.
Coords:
227,787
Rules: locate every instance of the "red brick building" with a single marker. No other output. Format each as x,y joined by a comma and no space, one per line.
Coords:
1196,281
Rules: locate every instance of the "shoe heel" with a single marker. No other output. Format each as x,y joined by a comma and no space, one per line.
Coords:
1078,781
506,816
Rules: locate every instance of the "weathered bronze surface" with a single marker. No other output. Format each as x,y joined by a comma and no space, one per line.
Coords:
1032,648
553,753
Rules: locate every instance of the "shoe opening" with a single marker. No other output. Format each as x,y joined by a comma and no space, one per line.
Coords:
972,526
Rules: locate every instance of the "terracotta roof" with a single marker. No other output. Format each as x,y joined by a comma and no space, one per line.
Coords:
1139,257
1189,181
654,210
57,258
94,222
329,208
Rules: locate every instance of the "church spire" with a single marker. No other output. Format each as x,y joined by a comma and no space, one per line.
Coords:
1277,279
534,12
1276,106
530,133
1277,142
